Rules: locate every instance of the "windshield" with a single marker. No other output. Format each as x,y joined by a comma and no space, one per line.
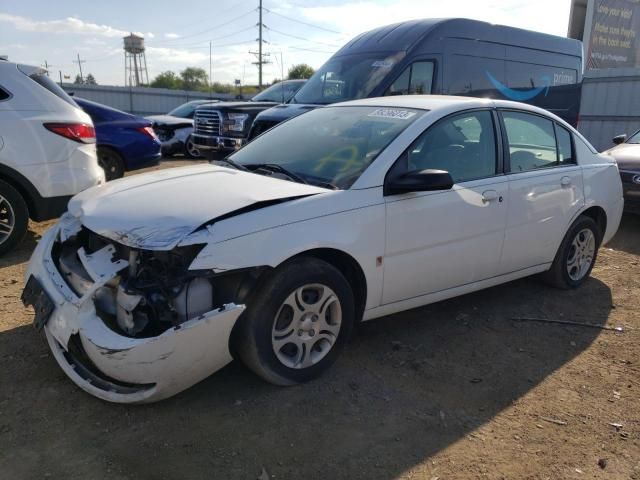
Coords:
347,77
185,110
280,92
635,138
333,145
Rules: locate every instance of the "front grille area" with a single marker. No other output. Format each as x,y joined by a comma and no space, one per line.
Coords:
260,126
207,121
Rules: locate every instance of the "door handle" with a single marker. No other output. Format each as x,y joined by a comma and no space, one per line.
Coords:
565,181
489,196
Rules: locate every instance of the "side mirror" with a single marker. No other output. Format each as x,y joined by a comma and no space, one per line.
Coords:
618,139
419,181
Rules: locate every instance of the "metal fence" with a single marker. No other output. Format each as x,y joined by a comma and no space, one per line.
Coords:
140,100
610,105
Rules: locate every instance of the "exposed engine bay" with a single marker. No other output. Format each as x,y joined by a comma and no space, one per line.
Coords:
156,292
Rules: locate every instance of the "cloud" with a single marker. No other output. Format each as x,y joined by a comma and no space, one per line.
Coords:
176,56
171,35
66,25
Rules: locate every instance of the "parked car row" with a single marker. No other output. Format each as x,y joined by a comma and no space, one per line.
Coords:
225,126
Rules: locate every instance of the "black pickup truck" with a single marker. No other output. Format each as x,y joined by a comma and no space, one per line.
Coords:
225,126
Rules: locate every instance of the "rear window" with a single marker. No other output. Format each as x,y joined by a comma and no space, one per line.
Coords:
3,94
44,81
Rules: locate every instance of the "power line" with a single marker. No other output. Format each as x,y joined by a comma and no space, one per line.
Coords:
303,23
212,28
303,39
205,19
310,50
202,42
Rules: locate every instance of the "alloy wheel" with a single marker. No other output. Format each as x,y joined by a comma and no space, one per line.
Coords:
306,326
7,219
581,254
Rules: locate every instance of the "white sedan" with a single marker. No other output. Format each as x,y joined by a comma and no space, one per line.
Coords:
347,213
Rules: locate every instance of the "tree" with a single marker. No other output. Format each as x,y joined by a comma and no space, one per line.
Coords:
167,79
193,78
78,80
90,80
302,70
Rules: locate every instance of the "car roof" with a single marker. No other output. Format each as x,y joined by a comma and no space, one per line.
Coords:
404,36
437,102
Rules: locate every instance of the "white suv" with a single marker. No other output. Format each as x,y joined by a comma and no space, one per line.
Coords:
47,150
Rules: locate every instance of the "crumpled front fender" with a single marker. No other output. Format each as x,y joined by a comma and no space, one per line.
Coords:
115,367
139,370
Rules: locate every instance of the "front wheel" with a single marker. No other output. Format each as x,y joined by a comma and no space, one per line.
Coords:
111,162
297,323
576,256
190,150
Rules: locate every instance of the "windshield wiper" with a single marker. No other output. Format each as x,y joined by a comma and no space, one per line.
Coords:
274,167
231,163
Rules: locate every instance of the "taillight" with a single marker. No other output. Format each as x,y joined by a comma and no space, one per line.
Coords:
148,131
78,132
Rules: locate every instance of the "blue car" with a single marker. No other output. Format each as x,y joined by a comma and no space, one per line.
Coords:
125,142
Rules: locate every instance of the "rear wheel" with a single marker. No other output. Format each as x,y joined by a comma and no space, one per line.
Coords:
14,217
190,150
297,323
111,162
576,256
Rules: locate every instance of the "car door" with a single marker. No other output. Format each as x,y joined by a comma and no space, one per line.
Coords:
442,239
545,188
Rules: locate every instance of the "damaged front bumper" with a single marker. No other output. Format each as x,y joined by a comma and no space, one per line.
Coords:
108,364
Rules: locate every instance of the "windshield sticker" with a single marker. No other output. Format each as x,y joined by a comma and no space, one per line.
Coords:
382,64
392,113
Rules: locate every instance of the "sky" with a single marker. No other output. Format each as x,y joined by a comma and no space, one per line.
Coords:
177,33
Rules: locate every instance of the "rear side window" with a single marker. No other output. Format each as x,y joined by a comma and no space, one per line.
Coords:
3,94
532,141
416,79
45,82
565,146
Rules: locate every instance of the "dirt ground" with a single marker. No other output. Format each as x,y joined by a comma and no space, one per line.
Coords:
454,390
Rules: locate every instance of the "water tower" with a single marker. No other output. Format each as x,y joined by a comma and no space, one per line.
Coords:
135,61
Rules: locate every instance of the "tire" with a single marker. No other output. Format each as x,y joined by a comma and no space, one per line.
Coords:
14,217
316,336
190,150
579,245
111,162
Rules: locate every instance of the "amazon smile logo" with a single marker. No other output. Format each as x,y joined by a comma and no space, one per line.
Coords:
520,95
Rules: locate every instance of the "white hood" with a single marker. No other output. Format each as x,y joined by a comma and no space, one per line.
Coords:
155,211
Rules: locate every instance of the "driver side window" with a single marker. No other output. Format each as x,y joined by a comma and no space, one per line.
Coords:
416,79
463,145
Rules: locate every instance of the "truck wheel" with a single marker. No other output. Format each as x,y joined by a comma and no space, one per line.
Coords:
111,162
190,150
576,256
14,217
297,323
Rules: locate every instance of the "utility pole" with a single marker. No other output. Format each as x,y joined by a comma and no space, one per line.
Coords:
80,62
210,72
261,61
60,73
260,46
46,67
